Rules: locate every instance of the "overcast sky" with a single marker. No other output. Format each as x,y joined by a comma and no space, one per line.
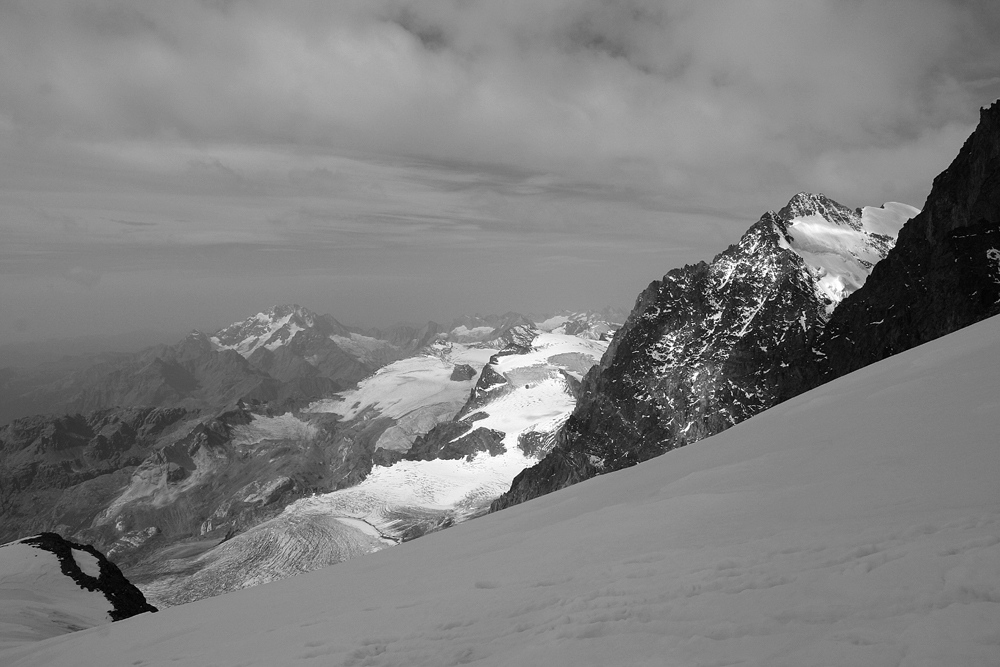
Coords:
187,163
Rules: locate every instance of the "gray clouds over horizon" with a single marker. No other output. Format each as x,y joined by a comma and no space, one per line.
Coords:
393,159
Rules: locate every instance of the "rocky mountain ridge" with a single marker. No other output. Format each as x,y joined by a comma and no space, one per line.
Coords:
712,344
696,355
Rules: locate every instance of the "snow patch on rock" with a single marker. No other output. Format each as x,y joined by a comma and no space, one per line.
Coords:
840,252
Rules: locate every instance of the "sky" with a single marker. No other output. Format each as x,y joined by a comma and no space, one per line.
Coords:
188,164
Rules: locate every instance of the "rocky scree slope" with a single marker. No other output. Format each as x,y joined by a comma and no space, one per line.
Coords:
712,344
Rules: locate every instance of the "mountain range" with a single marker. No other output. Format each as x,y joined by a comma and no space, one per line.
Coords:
194,445
855,524
263,458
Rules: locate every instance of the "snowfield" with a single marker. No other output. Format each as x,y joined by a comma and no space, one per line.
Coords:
38,601
386,502
841,257
857,524
407,385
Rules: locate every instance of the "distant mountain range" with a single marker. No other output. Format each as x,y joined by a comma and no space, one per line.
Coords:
167,452
281,358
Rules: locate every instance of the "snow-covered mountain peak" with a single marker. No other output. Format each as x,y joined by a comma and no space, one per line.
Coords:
269,329
585,324
839,246
484,328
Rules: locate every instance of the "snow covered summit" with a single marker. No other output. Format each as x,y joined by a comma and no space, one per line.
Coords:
271,329
837,245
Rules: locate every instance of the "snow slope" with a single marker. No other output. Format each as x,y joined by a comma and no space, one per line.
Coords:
38,601
856,524
406,385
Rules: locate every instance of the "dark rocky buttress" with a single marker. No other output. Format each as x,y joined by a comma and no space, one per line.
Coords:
704,348
943,274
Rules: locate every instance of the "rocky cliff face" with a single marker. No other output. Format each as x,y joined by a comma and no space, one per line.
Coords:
944,273
712,344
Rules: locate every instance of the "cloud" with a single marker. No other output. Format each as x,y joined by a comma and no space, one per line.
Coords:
671,94
81,276
222,137
134,223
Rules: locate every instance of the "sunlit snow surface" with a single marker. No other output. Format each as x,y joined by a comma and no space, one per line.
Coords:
855,525
540,401
841,257
403,386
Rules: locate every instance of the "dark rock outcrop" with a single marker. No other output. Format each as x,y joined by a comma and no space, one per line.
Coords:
462,372
456,440
125,599
491,386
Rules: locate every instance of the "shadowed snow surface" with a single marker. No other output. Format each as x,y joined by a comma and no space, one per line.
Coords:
38,601
857,524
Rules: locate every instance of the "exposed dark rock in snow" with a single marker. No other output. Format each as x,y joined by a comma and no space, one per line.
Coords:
456,440
463,372
491,386
126,600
